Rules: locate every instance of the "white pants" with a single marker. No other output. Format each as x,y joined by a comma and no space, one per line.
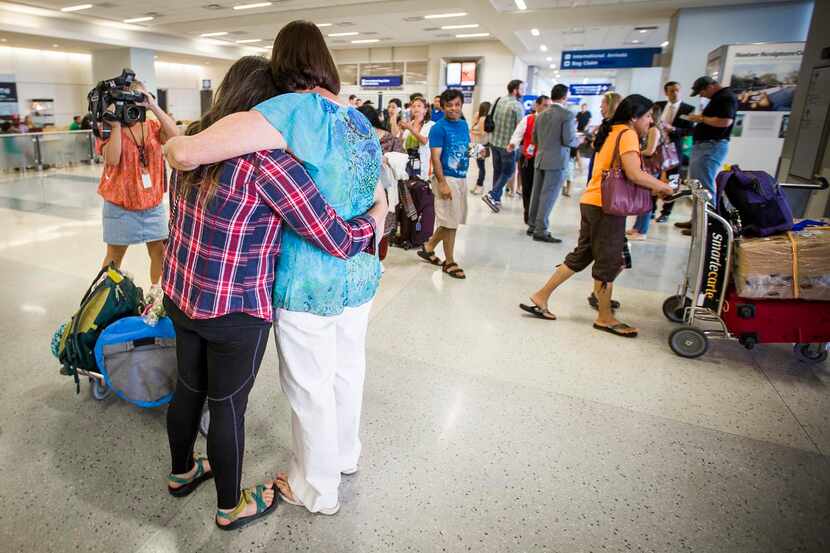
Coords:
322,369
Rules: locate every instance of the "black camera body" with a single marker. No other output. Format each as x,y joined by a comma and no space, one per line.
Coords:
115,92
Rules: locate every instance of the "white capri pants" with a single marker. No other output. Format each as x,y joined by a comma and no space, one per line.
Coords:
322,369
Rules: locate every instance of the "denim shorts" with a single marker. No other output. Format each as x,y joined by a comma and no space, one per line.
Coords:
123,227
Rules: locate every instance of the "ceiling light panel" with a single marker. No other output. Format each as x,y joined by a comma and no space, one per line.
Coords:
209,35
468,26
445,15
77,8
252,6
535,32
520,4
139,19
366,41
472,35
350,33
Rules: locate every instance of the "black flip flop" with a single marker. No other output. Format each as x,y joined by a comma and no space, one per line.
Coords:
615,330
454,273
594,302
429,257
537,311
189,487
253,495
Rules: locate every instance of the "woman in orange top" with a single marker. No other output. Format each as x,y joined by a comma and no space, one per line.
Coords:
133,185
601,236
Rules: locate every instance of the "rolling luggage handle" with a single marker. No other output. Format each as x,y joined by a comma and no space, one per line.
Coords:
820,183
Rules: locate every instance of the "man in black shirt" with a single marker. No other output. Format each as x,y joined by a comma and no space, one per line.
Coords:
711,135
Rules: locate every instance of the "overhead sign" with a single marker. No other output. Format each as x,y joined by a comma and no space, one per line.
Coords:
391,81
614,58
593,89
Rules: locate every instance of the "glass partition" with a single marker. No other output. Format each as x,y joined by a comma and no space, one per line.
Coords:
42,150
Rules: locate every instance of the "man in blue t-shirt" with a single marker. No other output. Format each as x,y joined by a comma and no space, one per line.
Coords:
449,143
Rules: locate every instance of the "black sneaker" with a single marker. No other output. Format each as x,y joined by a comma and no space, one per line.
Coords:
663,219
684,225
490,203
546,238
530,231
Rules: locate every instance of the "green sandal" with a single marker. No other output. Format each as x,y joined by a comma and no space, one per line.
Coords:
189,485
249,495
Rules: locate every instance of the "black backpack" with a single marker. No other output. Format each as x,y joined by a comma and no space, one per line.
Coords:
489,122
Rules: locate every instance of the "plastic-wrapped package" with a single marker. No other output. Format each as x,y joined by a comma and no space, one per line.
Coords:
795,265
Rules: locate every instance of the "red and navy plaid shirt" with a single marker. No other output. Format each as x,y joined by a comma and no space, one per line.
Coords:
221,256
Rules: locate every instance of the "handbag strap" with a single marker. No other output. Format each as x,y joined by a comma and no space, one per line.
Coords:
616,160
493,109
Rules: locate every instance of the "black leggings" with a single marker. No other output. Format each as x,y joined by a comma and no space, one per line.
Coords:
526,169
218,359
482,172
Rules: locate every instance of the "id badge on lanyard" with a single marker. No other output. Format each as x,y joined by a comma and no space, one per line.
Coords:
146,181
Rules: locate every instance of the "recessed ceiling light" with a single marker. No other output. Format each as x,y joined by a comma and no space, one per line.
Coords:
155,57
521,4
472,35
249,6
324,24
543,48
553,66
443,15
77,8
664,44
249,40
534,32
208,35
635,41
56,46
365,40
449,27
139,19
549,58
350,33
643,30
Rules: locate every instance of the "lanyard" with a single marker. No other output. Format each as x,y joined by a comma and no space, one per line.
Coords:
141,157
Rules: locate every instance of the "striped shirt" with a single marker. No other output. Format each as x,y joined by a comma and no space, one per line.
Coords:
221,256
508,114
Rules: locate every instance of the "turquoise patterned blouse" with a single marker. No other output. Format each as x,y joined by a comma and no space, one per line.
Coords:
341,152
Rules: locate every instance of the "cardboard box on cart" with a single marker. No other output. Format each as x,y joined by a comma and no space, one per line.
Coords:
795,265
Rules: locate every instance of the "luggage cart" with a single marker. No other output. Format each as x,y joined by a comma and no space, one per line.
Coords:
709,307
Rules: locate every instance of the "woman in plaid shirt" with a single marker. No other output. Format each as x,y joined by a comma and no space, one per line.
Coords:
226,227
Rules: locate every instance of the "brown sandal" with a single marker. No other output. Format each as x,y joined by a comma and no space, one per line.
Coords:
457,272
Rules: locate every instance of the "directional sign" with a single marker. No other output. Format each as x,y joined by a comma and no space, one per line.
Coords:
391,81
593,89
527,102
609,59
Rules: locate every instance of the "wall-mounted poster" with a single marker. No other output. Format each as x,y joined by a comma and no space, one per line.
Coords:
764,77
454,74
8,96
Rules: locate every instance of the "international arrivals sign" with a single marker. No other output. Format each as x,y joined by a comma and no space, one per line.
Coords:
593,89
614,58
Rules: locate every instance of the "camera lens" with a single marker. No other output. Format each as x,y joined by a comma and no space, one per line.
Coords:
133,114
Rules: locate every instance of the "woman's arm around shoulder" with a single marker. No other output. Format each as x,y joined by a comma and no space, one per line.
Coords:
232,136
287,188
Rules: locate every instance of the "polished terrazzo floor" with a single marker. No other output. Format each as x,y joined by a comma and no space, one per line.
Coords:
484,430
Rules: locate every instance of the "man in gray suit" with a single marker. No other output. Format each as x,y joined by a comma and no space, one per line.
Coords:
554,134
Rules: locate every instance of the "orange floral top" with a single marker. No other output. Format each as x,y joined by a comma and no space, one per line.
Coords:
122,184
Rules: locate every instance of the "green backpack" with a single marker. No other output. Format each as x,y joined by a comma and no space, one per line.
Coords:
111,296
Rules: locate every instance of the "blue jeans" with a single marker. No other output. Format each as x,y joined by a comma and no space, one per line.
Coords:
642,223
504,165
547,184
706,160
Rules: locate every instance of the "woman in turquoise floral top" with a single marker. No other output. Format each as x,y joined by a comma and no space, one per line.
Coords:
322,303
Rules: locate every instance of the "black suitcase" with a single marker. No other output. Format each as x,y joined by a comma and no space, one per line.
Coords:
413,232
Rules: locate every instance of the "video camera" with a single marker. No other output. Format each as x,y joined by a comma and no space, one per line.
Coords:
115,91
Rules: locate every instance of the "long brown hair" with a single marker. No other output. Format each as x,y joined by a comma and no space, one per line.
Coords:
247,83
301,60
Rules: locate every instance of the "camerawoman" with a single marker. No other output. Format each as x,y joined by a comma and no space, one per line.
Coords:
133,180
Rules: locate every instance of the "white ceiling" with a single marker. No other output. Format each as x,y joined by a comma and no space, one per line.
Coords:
563,24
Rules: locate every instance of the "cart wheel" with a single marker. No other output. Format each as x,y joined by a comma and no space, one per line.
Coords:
688,342
99,389
812,353
674,308
204,422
